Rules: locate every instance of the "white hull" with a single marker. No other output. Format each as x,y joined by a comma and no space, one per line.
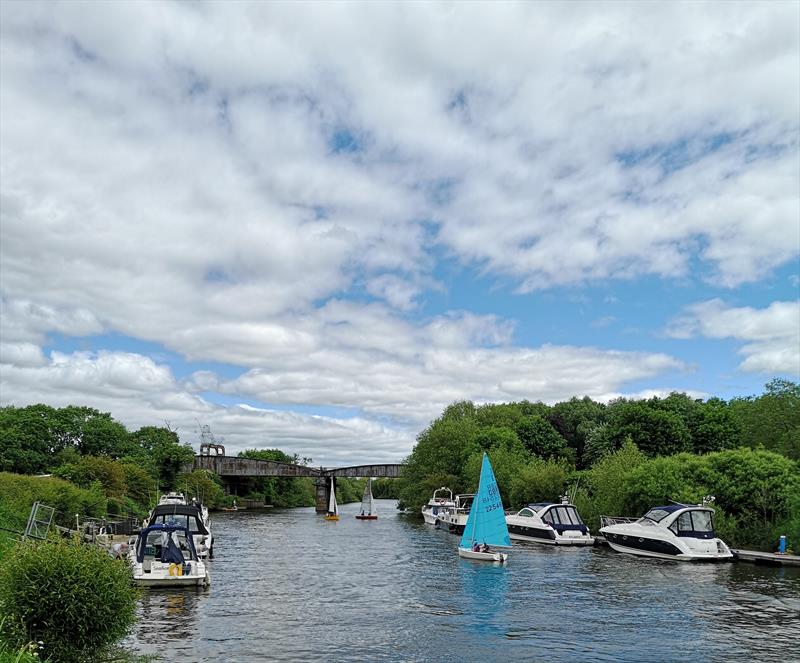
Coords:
429,518
467,553
559,541
159,576
186,581
683,557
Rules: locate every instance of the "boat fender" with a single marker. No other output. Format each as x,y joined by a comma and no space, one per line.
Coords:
175,569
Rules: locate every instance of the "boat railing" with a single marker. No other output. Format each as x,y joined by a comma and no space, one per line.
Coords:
605,521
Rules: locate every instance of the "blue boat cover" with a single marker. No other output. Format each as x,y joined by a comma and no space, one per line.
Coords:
487,519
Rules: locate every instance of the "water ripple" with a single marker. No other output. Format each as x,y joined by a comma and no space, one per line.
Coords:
289,586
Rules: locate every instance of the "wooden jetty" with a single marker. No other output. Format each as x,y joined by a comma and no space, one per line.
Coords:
767,558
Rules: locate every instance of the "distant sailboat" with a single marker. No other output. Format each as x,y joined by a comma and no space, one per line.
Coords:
333,508
486,524
368,510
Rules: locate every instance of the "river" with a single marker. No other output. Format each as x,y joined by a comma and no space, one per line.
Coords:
288,585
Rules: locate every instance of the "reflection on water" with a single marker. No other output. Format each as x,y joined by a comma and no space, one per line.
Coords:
288,585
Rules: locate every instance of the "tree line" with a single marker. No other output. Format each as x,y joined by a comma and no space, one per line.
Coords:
622,457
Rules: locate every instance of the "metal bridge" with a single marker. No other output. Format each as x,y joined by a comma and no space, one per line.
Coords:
232,468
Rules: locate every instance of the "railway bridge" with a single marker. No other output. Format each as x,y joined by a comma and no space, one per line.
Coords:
232,469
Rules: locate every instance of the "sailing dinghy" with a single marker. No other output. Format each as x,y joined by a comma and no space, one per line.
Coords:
486,524
333,508
368,510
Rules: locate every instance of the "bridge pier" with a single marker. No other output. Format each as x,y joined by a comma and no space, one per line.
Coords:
323,486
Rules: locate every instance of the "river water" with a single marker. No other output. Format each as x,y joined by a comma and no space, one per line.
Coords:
288,585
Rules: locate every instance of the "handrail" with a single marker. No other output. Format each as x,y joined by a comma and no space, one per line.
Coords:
605,521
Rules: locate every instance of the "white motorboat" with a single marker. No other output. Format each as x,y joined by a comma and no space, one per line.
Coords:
172,498
455,518
546,522
438,505
193,517
165,556
676,531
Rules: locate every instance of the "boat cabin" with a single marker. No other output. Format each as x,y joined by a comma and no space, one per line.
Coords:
165,543
181,515
696,522
561,517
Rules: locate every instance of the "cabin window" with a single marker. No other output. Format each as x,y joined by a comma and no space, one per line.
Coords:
550,517
565,516
526,513
656,514
685,522
702,521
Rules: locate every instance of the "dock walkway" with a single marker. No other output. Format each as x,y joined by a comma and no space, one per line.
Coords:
768,558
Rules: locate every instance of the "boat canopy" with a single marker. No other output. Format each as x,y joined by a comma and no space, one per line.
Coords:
563,517
160,541
183,515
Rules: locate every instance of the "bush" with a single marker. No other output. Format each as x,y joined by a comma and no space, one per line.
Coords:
73,598
538,481
18,493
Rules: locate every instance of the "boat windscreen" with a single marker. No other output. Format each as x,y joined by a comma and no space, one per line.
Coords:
656,515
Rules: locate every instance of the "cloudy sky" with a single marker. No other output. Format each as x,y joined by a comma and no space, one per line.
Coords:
313,226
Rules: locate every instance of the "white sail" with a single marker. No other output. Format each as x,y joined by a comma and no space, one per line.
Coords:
332,506
367,506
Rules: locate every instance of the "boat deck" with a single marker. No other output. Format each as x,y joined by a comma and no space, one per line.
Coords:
770,559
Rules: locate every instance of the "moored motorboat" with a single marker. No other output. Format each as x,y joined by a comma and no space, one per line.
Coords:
193,517
455,519
675,531
546,522
172,498
165,556
438,505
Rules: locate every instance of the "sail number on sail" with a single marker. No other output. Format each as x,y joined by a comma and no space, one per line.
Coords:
492,498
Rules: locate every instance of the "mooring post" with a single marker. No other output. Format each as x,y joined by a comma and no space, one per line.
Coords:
323,493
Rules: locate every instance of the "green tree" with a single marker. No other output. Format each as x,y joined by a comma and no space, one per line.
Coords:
537,481
541,439
89,469
574,420
772,420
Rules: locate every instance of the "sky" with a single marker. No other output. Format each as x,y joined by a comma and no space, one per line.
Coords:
312,226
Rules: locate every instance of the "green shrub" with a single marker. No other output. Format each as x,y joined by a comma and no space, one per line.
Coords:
19,492
73,598
538,481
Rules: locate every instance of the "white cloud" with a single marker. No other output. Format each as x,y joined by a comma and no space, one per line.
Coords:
772,334
138,392
232,182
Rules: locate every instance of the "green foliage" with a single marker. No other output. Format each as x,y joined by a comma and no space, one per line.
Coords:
772,420
574,419
537,481
88,469
541,439
386,489
73,598
19,492
600,487
203,485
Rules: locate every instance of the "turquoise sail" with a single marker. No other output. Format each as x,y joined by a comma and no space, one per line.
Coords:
487,519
